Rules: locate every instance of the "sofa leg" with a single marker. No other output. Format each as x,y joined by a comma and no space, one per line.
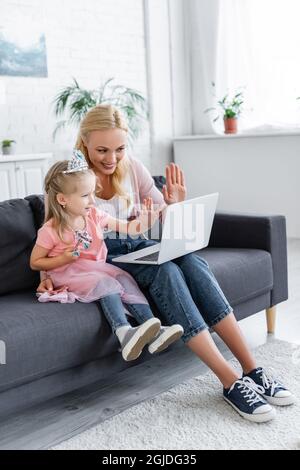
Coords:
271,319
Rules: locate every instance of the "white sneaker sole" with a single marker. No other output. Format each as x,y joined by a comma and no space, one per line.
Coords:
255,418
172,334
283,401
143,336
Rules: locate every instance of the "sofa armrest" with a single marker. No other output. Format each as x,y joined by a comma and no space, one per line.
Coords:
264,232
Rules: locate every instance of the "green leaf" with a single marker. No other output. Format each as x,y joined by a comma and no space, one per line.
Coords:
59,126
74,102
7,142
209,109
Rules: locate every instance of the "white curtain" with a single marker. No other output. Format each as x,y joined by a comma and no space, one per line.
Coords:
203,37
258,47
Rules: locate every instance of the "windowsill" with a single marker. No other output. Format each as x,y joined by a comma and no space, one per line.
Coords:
239,135
23,157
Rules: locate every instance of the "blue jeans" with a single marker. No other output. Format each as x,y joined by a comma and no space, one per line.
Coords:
113,309
184,290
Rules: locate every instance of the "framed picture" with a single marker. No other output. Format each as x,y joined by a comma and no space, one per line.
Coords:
22,52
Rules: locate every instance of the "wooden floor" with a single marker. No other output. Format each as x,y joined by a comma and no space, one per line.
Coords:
44,426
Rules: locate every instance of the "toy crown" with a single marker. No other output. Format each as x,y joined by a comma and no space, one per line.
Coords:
77,162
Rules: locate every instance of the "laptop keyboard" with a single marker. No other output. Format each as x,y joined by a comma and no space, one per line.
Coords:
152,257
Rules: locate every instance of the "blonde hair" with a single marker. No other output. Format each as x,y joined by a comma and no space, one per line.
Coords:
58,182
100,117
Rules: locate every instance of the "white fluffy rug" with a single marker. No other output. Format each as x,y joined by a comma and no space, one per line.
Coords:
194,415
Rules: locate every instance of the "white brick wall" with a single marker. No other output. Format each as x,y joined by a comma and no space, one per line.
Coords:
90,40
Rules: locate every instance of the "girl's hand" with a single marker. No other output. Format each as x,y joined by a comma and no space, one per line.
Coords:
141,224
68,255
148,215
175,189
47,286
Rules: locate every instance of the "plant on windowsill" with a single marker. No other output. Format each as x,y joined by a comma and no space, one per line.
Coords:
7,146
75,101
231,108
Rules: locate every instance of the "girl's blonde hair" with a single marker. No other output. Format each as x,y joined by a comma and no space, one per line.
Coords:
58,182
104,116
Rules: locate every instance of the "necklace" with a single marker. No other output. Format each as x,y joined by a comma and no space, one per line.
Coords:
82,239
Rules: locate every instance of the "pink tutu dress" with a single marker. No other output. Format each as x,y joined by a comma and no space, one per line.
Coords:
89,278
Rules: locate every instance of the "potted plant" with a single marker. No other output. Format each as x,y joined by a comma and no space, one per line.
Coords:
75,101
231,109
7,146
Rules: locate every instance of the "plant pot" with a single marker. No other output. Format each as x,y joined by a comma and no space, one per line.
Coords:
7,150
230,125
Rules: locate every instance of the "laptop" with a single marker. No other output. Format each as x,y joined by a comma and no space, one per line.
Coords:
186,228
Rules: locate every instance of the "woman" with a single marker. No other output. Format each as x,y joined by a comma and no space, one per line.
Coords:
184,290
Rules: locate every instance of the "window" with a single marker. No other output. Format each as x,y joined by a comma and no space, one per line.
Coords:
259,48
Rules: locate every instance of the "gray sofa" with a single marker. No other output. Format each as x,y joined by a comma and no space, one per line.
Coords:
52,349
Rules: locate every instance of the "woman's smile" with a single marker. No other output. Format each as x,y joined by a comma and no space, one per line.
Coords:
108,166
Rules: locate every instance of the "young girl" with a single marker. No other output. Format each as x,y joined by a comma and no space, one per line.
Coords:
71,249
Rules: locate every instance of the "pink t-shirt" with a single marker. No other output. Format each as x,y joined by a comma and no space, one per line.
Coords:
47,237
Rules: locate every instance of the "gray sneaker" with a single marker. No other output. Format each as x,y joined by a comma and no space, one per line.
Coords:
136,338
166,336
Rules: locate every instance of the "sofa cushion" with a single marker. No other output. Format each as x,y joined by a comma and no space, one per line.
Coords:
242,273
36,202
17,236
43,338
